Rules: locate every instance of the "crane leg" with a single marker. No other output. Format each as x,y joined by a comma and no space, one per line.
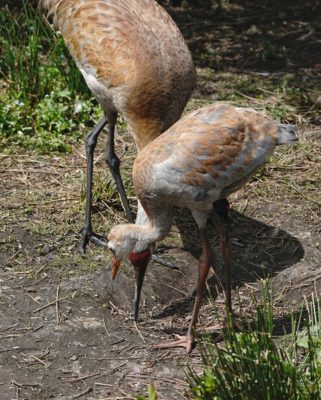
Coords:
113,163
203,268
86,231
226,255
225,244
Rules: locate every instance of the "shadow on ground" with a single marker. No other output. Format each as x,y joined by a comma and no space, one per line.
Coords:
250,35
258,251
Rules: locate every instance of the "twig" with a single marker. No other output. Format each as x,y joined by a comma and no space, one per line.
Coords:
36,358
36,171
12,335
22,385
8,350
114,358
32,298
42,204
81,378
40,270
117,309
117,341
152,363
136,327
118,366
174,288
9,327
304,196
106,329
76,396
103,384
120,398
248,97
158,378
48,305
35,283
58,317
40,361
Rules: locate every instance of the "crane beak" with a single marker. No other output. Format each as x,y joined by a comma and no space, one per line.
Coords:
140,262
115,267
139,275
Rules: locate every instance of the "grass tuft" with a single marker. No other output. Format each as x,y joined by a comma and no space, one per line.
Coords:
253,365
45,103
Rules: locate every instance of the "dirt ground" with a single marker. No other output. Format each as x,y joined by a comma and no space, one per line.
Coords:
66,330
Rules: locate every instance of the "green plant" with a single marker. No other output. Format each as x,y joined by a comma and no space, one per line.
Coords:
25,39
45,104
52,125
253,365
19,60
152,394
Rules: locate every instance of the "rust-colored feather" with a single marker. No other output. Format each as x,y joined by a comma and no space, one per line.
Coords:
217,147
133,58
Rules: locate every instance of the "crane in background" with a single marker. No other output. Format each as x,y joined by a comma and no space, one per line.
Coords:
135,62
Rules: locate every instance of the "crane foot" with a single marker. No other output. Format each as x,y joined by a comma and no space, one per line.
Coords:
182,341
89,236
238,325
163,262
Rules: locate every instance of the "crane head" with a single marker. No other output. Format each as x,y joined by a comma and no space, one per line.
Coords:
125,241
140,262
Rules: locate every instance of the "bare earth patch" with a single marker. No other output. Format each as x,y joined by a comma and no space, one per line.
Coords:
66,329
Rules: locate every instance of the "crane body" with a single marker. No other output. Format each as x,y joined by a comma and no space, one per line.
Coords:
207,155
135,62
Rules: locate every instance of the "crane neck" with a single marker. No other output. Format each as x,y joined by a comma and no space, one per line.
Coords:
150,228
141,216
144,130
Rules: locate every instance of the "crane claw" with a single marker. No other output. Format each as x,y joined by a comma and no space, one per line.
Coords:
182,341
89,236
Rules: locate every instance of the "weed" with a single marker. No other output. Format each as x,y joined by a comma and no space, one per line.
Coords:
50,126
252,365
45,103
152,394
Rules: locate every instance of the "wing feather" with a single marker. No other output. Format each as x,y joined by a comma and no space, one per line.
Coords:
214,149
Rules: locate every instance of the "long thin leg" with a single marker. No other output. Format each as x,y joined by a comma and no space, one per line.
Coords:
226,256
203,268
225,245
113,163
91,141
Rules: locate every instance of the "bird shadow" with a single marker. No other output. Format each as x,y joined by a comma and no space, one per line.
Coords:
258,251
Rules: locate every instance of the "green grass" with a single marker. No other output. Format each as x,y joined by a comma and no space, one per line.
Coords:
33,60
45,104
256,365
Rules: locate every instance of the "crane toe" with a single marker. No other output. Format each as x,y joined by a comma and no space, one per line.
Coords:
163,262
89,236
182,341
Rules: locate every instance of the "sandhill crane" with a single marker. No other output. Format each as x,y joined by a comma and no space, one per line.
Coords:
207,155
136,62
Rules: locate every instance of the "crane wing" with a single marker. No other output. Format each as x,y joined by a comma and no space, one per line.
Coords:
209,153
